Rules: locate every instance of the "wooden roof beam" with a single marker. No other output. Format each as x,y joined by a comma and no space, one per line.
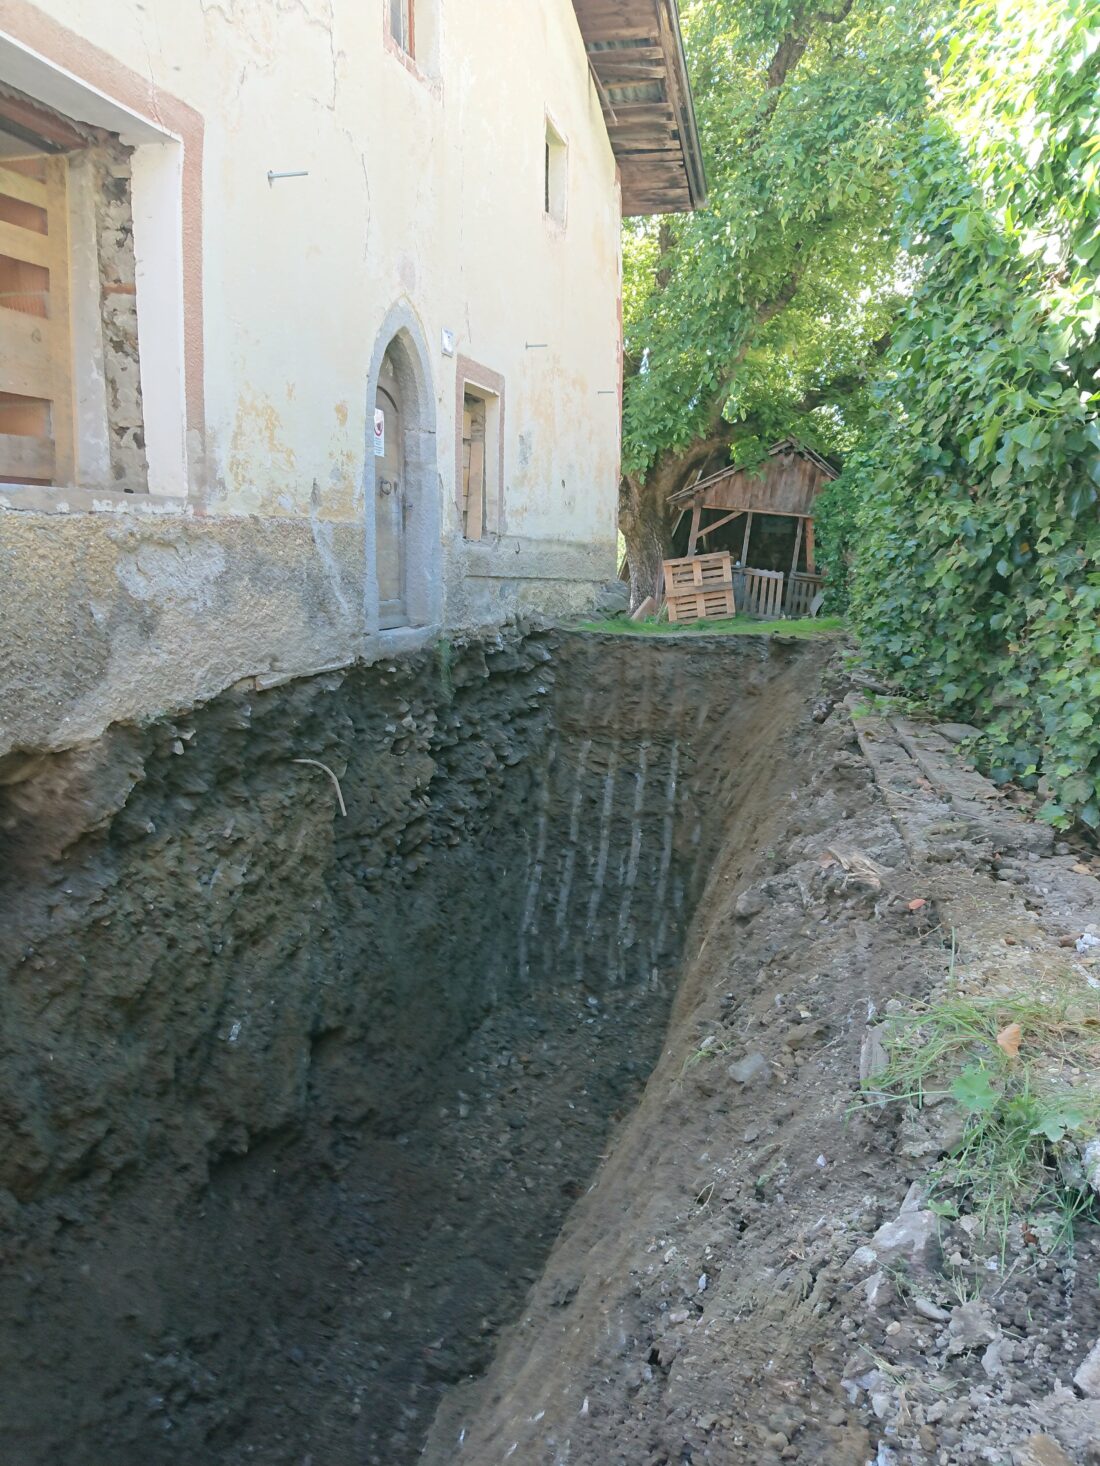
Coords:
660,159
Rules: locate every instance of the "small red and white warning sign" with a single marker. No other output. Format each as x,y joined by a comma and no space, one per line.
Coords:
379,433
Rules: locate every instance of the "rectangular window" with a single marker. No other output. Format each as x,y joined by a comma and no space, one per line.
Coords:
399,23
554,174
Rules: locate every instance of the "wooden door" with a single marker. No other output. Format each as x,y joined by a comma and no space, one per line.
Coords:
390,503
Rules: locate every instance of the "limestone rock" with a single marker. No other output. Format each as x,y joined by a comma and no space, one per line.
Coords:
909,1240
749,904
972,1326
1040,1450
873,1058
1087,1377
752,1069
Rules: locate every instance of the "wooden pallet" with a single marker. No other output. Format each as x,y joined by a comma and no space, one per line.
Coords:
760,593
802,592
699,588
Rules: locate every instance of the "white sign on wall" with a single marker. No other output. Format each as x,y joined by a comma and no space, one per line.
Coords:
379,433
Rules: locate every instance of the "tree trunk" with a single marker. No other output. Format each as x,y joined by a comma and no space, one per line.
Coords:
647,519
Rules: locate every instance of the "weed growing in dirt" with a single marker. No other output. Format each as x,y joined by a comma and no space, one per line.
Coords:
1018,1072
711,1047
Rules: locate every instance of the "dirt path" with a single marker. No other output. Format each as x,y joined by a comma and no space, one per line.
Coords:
708,1300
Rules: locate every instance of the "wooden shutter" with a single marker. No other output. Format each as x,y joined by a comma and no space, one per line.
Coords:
36,409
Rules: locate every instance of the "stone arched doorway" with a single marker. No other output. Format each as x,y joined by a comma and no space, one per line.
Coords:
402,482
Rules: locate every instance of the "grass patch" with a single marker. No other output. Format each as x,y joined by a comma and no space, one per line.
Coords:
1020,1074
727,626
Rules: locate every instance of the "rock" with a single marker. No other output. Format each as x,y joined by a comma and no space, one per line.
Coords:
753,1069
1090,1159
802,1034
927,1309
1087,1377
873,1058
956,732
995,1355
1040,1450
972,1326
612,598
877,1290
910,1239
750,903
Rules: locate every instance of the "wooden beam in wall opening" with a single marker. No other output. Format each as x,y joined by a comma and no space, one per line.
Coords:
745,541
693,532
797,547
718,523
475,501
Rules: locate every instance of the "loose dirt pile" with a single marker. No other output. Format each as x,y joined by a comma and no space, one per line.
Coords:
756,1275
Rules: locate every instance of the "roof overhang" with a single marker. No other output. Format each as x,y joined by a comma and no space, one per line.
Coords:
636,54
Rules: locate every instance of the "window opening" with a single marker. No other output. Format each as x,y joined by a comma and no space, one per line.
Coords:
479,496
473,466
400,23
554,170
58,177
36,416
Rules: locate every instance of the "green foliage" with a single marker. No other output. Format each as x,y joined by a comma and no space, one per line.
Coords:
1015,1149
836,523
976,575
767,308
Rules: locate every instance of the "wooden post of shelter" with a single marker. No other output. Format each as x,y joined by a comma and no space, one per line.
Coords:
745,541
797,546
696,517
810,567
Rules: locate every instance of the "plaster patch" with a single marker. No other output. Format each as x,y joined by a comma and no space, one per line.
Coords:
180,573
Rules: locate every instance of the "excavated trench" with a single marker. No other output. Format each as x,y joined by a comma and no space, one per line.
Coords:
294,1103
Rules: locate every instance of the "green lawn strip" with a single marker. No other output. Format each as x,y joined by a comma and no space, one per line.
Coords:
729,626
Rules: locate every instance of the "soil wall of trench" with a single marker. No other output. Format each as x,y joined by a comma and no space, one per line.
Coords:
293,1102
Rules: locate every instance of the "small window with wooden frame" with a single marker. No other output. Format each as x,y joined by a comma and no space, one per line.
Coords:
63,184
480,450
401,25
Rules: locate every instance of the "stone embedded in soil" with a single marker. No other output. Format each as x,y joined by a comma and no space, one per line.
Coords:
750,903
753,1069
1087,1377
873,1058
909,1239
972,1326
1040,1450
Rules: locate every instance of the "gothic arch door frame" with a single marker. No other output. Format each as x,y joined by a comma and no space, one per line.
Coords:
391,500
402,487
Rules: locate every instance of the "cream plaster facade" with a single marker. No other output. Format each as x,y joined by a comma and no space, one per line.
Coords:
265,305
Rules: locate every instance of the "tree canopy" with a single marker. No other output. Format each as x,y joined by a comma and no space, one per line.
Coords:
971,505
760,315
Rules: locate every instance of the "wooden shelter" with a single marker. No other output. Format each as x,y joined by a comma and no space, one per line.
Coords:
636,56
786,484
